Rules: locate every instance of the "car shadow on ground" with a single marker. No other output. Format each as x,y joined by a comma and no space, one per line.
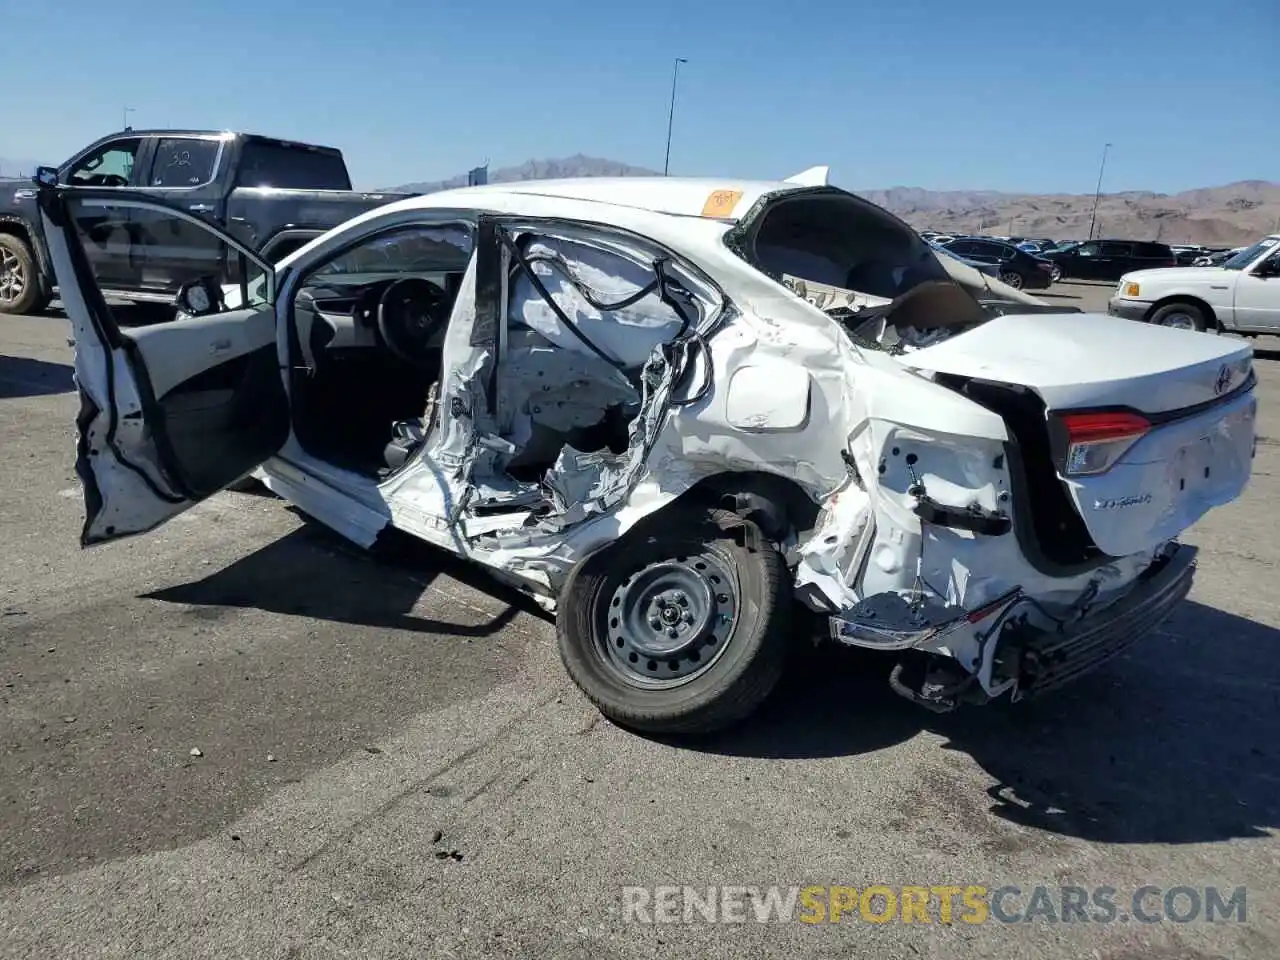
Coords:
117,778
1177,742
25,377
314,573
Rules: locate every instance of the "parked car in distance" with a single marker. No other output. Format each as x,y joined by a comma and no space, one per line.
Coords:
990,269
611,393
273,195
1186,254
1110,259
1036,245
1217,258
1017,268
1240,296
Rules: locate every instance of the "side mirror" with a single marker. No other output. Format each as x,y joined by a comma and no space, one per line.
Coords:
1268,268
45,177
197,298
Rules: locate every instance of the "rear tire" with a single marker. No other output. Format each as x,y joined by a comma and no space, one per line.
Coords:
680,627
21,286
1180,316
1011,279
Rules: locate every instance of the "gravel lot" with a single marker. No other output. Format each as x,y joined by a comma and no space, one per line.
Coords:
393,764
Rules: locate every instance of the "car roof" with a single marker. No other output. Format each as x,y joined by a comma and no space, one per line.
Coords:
703,198
688,214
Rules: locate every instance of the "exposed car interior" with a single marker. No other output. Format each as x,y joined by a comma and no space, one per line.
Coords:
369,328
845,250
580,323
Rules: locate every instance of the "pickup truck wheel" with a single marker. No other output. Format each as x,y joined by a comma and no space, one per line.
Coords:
1180,316
680,628
21,290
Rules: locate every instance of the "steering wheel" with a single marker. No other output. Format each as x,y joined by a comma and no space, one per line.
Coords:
114,180
410,314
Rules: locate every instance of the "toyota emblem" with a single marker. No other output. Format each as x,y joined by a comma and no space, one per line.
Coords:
1224,380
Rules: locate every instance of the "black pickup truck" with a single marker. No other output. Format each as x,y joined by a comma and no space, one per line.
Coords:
272,195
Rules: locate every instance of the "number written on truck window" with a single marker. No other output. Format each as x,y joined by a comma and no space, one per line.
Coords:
183,162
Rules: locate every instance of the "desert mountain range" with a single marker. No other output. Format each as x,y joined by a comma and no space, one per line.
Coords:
1232,214
1236,213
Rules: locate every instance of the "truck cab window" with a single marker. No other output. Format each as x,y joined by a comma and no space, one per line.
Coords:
184,162
111,165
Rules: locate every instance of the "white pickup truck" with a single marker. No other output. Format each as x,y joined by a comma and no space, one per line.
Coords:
1242,295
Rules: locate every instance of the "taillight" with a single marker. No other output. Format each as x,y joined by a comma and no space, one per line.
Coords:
1095,441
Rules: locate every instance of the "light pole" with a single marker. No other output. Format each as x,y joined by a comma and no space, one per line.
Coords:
671,114
1097,194
124,116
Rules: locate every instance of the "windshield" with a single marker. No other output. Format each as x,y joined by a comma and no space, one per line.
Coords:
1250,254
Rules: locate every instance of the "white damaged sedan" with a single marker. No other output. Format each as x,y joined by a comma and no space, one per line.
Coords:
678,412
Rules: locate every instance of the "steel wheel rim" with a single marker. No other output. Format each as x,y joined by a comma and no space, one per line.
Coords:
668,623
1178,321
13,280
1012,279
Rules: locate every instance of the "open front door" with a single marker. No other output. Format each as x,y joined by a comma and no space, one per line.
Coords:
174,412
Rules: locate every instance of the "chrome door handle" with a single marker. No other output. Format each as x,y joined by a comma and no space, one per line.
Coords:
200,207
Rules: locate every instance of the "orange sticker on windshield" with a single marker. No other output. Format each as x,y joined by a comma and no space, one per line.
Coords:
721,203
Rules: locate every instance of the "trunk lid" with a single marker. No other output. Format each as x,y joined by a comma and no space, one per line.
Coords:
1083,360
1192,389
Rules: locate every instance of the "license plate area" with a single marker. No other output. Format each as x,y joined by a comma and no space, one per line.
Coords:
1215,463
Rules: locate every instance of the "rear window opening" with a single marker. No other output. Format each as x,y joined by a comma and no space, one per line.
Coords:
834,238
867,270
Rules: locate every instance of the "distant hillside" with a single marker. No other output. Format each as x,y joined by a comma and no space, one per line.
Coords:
576,166
1233,214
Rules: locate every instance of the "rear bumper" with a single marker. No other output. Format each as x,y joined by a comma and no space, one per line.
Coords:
1044,661
1128,309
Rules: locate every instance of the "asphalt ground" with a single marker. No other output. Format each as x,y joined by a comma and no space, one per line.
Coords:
393,764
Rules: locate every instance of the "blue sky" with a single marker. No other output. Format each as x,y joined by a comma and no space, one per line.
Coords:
979,95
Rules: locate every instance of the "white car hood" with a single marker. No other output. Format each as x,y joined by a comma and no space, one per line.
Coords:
1076,360
1180,275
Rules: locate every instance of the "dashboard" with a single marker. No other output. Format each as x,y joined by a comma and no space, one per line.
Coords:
353,311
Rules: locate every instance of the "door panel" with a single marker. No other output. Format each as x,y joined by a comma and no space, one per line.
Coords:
1084,262
1257,301
183,173
170,413
215,419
